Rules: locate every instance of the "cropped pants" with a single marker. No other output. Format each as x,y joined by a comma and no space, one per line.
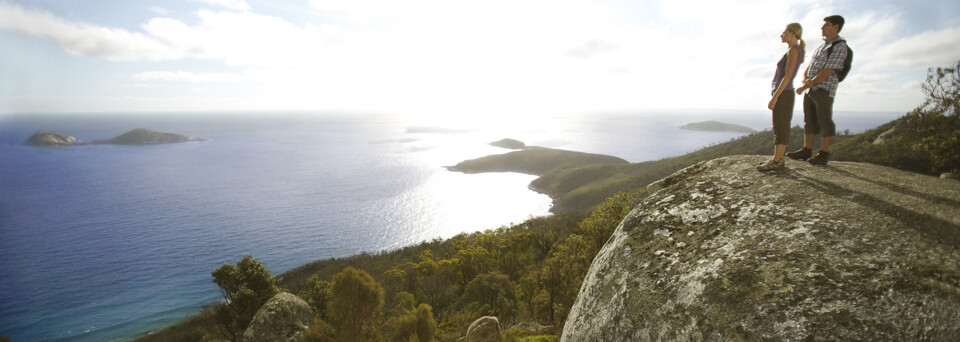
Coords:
782,115
818,113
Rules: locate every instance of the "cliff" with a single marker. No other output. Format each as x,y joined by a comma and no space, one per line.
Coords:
720,252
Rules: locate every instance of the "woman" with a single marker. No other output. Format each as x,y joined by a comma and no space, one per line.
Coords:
783,97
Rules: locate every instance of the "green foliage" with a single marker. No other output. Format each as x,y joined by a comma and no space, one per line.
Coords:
320,331
926,140
317,294
413,324
245,288
356,303
939,120
943,90
563,273
520,335
598,227
493,295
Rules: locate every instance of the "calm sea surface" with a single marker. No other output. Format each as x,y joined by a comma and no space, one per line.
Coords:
107,242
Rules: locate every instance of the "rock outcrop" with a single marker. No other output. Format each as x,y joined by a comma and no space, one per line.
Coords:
51,139
484,329
848,251
283,318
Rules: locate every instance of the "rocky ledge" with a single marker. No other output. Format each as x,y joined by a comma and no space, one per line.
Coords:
721,252
139,136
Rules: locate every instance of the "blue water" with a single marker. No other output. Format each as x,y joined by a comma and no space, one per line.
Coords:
109,242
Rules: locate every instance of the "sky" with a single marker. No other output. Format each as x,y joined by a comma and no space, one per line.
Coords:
449,58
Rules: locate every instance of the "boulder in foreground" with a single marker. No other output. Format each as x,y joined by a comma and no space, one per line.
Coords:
283,318
721,252
484,329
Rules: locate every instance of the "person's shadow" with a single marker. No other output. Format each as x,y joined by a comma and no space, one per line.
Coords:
876,198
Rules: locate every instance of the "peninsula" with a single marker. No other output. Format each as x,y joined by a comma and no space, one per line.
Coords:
574,180
139,136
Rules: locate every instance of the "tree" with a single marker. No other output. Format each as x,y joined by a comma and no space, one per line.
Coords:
356,303
564,272
939,120
494,293
470,263
317,294
245,288
598,227
320,331
409,323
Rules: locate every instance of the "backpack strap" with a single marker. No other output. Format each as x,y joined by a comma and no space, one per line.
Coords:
834,43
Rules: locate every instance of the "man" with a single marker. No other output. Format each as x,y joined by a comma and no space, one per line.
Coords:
821,79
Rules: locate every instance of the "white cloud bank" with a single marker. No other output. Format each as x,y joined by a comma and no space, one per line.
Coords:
239,5
441,56
183,76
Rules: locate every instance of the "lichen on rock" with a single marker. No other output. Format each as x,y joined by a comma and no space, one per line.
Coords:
720,252
283,318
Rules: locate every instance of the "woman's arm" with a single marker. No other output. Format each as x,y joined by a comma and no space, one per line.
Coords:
792,57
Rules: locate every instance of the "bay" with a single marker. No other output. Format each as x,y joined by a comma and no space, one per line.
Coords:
108,242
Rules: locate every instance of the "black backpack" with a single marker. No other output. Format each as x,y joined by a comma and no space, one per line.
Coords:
842,74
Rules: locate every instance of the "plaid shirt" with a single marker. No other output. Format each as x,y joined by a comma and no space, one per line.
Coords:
821,61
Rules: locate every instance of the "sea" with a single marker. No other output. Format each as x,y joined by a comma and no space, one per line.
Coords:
109,242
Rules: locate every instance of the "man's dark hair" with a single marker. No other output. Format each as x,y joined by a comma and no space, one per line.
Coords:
836,20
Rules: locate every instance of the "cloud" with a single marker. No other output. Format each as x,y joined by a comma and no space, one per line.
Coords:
924,50
486,55
591,48
159,10
238,38
184,76
238,5
84,39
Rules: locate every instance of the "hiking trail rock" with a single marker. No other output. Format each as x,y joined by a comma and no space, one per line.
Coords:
847,251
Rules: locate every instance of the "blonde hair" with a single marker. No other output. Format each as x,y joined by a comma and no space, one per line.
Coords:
796,29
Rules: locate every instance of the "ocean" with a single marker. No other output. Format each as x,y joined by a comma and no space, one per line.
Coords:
108,242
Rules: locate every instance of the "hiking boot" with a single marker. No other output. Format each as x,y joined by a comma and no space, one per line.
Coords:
801,154
771,166
820,159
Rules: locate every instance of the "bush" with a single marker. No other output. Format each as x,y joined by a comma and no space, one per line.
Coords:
245,288
357,301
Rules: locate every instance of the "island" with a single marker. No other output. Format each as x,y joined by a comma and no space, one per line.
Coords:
50,139
139,136
512,144
715,126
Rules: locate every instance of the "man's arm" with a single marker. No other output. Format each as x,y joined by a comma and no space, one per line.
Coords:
821,76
